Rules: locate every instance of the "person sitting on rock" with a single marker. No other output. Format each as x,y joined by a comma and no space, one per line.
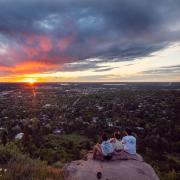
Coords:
116,141
104,150
129,142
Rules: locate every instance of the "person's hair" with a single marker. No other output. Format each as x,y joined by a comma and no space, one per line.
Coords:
128,131
104,137
117,135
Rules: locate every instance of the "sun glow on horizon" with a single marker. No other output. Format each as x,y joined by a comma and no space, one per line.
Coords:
31,81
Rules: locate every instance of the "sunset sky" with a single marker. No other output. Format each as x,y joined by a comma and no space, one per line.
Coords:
89,40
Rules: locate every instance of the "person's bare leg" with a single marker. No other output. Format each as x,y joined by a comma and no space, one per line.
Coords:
97,150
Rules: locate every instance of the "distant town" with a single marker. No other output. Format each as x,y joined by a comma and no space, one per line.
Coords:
35,116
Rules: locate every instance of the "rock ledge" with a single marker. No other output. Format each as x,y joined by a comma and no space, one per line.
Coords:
109,170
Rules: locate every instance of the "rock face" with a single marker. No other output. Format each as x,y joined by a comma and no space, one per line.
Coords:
109,170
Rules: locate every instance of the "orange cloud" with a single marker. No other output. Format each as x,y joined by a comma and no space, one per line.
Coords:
45,43
34,55
4,68
33,66
28,67
37,45
64,43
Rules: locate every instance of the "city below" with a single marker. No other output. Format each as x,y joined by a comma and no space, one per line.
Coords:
60,122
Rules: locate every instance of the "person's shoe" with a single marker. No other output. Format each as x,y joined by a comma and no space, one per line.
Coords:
99,175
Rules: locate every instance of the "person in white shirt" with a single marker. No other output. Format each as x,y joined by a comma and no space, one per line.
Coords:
116,141
129,142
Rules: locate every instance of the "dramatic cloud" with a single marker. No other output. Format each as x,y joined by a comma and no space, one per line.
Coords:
164,70
60,35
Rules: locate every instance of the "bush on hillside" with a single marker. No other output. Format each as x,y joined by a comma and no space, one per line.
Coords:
15,166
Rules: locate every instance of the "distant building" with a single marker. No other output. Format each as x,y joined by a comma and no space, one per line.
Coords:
19,136
99,108
110,124
140,128
57,131
94,119
47,105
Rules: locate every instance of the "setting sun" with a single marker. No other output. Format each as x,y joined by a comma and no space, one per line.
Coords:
31,81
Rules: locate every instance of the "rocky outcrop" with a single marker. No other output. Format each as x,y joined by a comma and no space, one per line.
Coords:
109,170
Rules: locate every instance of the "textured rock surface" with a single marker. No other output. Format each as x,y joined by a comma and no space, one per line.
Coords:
110,170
